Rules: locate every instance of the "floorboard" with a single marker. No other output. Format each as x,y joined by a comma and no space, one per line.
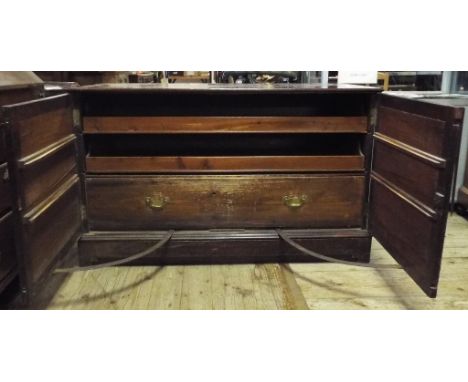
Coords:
272,286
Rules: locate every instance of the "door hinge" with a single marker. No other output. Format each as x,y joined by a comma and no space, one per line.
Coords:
6,175
373,117
76,119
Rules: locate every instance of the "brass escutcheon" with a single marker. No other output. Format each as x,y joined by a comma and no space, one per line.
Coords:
157,201
294,201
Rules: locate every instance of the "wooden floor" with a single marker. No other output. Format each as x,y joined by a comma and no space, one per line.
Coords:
271,286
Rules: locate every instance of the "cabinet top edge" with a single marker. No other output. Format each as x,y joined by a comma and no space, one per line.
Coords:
225,88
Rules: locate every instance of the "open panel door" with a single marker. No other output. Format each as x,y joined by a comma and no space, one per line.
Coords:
47,188
416,143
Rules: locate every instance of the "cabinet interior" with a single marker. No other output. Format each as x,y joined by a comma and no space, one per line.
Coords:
203,152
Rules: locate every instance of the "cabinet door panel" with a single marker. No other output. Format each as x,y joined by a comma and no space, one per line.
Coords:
415,146
5,188
3,145
47,206
414,176
419,131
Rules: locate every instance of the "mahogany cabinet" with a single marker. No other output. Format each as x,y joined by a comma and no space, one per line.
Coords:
112,168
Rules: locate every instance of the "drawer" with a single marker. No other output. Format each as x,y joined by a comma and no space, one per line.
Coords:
40,174
50,226
7,246
5,188
224,201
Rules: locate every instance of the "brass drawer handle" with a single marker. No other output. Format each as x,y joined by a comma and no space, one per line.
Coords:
294,201
156,202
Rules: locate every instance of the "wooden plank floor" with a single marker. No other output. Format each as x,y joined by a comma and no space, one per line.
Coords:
271,286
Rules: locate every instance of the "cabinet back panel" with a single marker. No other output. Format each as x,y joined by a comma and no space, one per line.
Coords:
200,104
222,145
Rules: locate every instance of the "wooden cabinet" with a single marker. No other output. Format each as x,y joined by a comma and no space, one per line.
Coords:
14,87
116,166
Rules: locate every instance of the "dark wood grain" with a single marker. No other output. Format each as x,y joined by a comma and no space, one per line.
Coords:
414,176
21,93
40,123
39,179
411,181
424,156
225,247
407,234
174,125
237,164
431,108
415,130
17,90
50,226
48,200
224,201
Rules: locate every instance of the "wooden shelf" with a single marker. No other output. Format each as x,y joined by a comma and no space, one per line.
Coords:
180,125
237,164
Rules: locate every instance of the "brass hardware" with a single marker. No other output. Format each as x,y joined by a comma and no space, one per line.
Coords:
294,201
156,202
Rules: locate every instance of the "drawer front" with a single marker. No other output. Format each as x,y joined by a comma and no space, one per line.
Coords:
5,188
39,178
7,245
50,227
228,201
